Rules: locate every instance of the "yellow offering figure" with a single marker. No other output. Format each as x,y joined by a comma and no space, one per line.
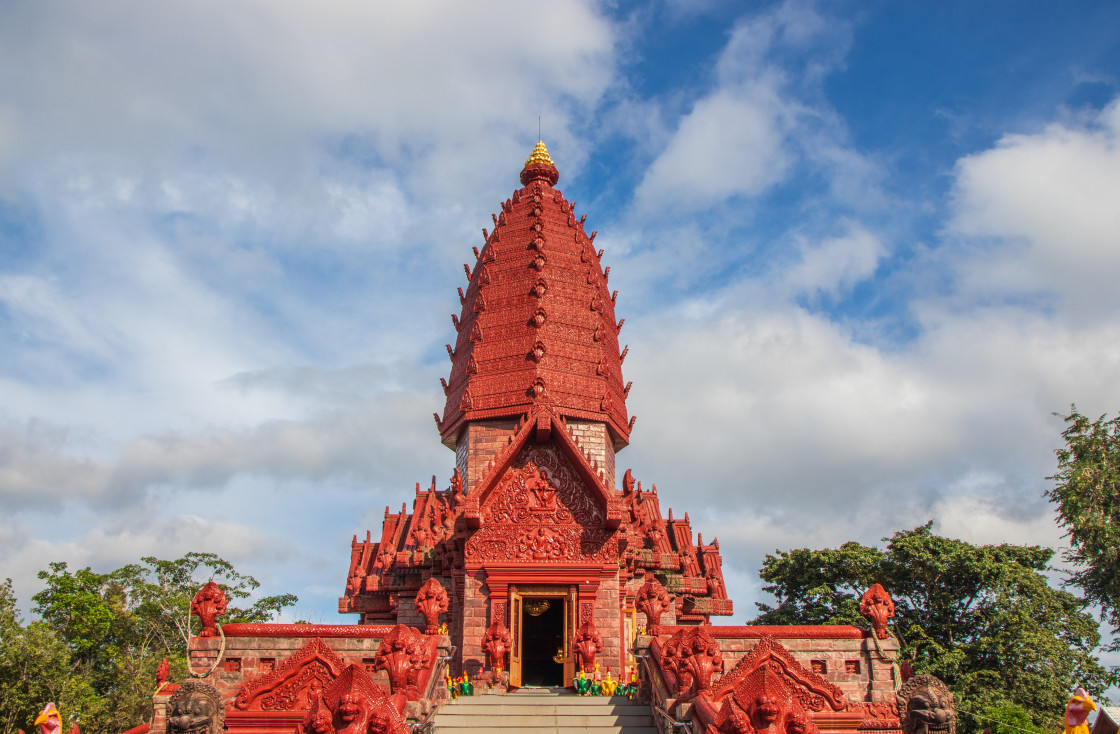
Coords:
1077,712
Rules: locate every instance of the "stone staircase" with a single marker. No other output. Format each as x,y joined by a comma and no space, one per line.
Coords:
543,710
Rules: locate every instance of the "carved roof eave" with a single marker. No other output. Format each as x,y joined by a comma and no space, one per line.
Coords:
472,504
449,432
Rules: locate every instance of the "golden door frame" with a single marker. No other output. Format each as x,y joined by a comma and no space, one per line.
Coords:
566,594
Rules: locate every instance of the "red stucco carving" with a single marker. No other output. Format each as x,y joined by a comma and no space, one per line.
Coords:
541,512
354,704
404,655
295,683
652,601
877,606
695,658
811,691
496,644
209,604
430,601
587,643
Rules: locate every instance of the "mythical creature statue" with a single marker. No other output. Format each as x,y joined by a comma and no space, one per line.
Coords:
877,606
496,643
1077,712
403,654
925,706
652,601
588,643
432,599
195,708
354,704
208,604
49,721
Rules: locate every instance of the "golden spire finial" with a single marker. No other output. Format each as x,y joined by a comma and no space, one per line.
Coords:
540,155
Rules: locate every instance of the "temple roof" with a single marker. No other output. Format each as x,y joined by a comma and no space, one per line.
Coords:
537,326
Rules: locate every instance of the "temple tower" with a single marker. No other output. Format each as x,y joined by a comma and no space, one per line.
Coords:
534,534
537,328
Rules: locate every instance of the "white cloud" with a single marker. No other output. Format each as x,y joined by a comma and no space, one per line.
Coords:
1048,200
835,265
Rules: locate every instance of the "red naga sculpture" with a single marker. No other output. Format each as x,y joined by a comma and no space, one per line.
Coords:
208,604
403,655
588,644
353,703
877,606
430,601
496,643
696,657
652,601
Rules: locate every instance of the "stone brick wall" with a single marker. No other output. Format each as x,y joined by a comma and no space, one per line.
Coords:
594,438
246,658
608,619
476,618
851,665
477,444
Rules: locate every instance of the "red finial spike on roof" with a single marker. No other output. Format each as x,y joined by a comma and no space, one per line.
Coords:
655,489
476,253
583,219
462,297
618,328
626,390
467,269
455,320
450,352
436,416
670,512
386,510
614,297
622,357
633,420
699,537
443,382
607,273
686,516
417,494
355,540
599,254
591,237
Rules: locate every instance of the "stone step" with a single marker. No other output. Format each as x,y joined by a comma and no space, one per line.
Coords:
544,730
544,710
538,719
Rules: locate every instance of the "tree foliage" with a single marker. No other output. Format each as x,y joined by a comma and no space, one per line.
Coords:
1087,493
981,618
100,637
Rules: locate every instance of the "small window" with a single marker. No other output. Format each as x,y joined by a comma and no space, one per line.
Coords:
233,665
268,665
370,665
819,667
851,666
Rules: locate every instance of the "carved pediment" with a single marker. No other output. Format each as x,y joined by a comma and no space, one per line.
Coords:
542,511
295,684
354,703
771,665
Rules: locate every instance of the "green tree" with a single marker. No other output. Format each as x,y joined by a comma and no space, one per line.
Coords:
101,636
981,618
1087,493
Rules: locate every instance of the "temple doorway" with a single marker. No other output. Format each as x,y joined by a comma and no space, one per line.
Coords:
542,648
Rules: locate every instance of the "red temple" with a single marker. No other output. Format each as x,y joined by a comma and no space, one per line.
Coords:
537,561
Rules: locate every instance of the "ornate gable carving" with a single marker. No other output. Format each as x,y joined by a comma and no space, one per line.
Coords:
295,684
541,511
770,664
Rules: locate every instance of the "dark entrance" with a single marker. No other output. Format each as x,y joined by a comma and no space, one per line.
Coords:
542,661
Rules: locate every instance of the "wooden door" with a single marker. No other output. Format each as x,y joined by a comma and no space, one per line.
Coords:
569,635
516,625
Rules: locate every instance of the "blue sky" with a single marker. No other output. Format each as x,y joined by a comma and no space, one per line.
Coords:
863,250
